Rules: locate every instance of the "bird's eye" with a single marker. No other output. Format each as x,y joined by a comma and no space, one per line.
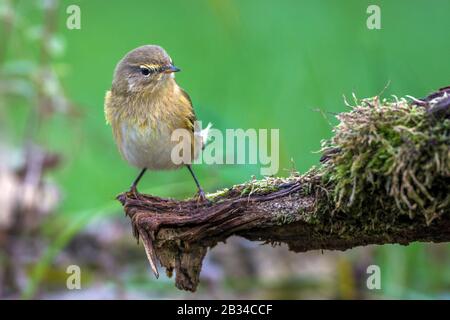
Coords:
145,71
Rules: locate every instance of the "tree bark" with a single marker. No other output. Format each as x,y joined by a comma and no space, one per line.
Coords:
179,233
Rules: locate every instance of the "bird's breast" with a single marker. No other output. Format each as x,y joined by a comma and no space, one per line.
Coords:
143,126
146,147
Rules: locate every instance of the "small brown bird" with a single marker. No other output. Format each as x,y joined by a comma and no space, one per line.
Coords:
144,107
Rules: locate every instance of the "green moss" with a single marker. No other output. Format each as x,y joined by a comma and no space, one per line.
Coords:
282,218
389,157
251,188
219,194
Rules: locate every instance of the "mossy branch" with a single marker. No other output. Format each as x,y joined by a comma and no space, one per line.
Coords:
384,178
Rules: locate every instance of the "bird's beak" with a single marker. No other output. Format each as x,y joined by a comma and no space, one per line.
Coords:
171,69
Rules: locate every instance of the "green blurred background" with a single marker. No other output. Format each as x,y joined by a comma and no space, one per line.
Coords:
246,64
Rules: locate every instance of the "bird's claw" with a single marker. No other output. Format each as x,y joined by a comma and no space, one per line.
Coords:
201,197
134,192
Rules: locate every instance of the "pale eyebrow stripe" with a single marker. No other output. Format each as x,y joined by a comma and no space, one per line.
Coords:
150,66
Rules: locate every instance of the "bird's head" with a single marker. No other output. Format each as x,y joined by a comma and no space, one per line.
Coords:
144,68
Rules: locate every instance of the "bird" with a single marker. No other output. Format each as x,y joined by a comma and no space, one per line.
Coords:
144,106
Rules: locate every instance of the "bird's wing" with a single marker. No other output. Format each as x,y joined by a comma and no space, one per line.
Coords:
192,117
203,133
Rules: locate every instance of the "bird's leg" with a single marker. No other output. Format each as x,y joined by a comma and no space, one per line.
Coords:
133,188
201,193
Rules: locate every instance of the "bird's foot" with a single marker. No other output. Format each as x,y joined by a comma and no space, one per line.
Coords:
201,197
134,192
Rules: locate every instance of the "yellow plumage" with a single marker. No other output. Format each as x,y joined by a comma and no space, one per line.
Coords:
147,119
145,107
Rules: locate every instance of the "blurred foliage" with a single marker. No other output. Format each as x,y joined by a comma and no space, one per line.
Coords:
246,64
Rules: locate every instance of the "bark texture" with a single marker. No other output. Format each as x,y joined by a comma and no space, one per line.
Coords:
179,233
